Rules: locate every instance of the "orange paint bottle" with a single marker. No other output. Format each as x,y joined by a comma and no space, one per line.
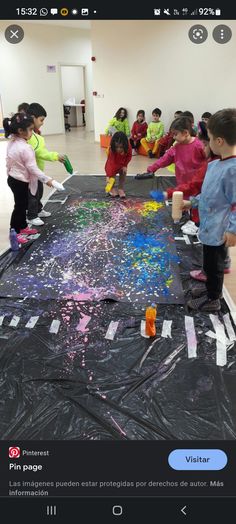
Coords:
151,313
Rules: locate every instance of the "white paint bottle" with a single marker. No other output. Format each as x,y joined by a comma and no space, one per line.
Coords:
177,204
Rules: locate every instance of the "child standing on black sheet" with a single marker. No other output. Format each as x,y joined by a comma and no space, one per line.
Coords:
119,156
35,206
217,208
23,173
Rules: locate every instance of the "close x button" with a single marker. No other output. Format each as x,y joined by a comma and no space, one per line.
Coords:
197,459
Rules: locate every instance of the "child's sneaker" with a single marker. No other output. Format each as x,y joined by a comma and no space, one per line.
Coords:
198,291
198,274
44,213
134,152
21,239
35,222
150,154
28,231
204,303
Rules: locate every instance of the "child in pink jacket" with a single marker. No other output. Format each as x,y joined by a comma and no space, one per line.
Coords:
22,170
187,154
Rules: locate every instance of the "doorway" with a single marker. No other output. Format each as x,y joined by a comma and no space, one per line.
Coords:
73,95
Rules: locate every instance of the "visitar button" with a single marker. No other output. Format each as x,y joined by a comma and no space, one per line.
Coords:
197,459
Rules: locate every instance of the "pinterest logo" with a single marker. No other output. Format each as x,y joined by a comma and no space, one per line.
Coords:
14,452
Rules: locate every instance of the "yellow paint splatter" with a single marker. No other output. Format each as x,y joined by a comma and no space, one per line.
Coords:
150,207
169,281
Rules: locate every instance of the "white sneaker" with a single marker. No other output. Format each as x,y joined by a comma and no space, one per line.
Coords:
36,222
134,152
44,213
189,228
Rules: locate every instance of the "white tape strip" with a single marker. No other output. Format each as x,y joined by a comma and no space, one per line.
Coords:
191,337
186,238
54,328
221,349
1,319
143,329
166,329
14,321
180,238
223,339
229,327
32,322
112,328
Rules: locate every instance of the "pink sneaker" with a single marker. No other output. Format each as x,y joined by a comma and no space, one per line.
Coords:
198,274
21,239
28,231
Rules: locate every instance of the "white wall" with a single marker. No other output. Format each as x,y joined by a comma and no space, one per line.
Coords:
23,67
148,64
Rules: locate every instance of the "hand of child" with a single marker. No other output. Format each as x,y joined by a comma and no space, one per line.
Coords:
229,239
49,183
186,204
150,169
61,158
124,170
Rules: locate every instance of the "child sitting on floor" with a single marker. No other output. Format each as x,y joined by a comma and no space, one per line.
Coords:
119,123
119,156
155,131
138,131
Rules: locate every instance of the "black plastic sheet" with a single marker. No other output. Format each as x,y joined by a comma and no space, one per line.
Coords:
76,384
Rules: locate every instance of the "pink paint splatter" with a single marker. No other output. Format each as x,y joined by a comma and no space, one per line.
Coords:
83,323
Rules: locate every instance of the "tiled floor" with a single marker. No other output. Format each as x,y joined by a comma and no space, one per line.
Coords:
86,157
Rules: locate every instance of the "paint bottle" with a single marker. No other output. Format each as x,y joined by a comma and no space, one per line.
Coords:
13,240
151,313
110,184
177,203
68,165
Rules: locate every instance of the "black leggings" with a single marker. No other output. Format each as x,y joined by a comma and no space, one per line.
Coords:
35,205
213,265
134,145
20,192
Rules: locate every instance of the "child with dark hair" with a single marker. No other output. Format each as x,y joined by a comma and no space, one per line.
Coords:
187,154
155,131
23,173
22,108
119,156
138,131
217,209
205,117
35,207
191,117
167,140
119,123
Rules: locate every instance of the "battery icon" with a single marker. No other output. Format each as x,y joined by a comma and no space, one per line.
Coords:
218,12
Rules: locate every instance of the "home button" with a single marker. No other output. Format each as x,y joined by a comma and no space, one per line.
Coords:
117,511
